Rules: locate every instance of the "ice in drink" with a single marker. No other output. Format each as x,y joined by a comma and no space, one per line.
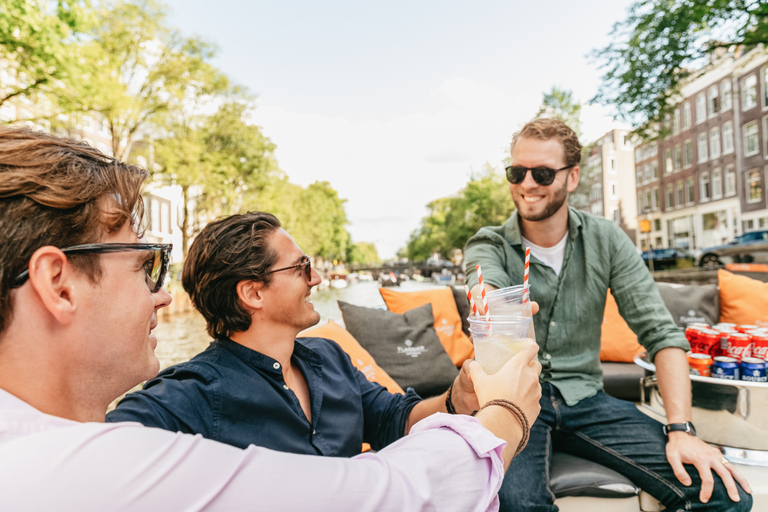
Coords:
493,351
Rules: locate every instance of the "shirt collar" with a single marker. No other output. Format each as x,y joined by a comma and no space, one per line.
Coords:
263,362
512,227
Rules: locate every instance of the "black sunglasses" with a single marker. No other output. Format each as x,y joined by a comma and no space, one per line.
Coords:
542,175
155,266
304,263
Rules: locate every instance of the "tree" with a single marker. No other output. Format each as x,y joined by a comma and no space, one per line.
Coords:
137,68
484,201
660,44
363,253
34,39
559,104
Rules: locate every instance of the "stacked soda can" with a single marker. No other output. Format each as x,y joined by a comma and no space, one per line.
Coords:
728,351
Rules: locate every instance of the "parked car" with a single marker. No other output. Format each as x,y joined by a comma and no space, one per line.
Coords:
750,247
665,258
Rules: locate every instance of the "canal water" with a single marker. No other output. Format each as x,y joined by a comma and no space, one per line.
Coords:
181,336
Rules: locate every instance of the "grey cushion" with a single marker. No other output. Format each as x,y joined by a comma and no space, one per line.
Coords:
690,304
462,304
622,380
573,476
406,346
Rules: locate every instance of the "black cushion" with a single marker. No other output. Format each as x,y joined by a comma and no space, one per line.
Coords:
622,380
691,304
462,304
406,346
573,476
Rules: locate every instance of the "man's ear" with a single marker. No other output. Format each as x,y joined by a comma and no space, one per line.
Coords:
250,294
573,178
52,277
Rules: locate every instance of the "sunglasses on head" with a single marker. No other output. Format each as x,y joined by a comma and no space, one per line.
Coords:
542,175
305,263
155,266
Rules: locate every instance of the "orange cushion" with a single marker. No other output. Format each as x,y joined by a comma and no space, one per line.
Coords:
617,341
362,360
743,300
447,319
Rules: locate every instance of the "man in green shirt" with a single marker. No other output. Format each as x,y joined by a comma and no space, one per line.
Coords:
575,259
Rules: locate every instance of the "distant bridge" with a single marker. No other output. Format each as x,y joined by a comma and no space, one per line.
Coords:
408,268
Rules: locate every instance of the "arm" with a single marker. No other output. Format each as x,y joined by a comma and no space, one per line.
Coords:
463,399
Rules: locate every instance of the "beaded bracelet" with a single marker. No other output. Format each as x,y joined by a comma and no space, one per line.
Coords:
514,409
448,404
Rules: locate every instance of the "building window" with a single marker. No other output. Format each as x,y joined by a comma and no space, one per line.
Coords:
714,142
754,189
730,181
639,175
751,146
653,150
687,153
668,160
727,138
677,157
686,115
639,203
714,100
701,108
676,122
765,135
704,187
702,145
689,190
749,92
765,91
670,197
613,165
638,154
679,199
725,93
614,190
655,199
717,184
654,170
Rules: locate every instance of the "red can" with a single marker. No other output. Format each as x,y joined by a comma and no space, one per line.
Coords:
745,328
700,364
739,345
726,326
692,331
706,341
760,345
722,349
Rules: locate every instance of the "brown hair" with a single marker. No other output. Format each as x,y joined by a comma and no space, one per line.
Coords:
545,129
59,192
228,251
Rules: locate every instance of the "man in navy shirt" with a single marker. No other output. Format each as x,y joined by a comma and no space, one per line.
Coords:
257,383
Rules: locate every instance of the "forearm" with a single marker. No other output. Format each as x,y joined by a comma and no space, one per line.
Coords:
674,384
503,425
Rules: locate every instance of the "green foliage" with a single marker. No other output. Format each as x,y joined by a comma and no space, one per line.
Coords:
363,253
484,201
661,41
560,104
34,38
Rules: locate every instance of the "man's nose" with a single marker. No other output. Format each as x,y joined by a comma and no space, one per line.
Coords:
162,298
528,181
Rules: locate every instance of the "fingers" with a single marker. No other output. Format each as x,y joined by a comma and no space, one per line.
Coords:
527,354
708,481
677,468
739,478
534,307
725,475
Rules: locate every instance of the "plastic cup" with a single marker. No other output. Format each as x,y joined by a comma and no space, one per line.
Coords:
498,339
508,302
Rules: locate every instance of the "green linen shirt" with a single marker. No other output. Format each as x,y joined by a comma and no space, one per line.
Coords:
598,256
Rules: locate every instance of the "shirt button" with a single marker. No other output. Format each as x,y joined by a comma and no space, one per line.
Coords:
547,356
314,432
285,386
276,366
552,323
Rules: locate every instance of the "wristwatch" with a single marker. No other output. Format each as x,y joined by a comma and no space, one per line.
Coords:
680,427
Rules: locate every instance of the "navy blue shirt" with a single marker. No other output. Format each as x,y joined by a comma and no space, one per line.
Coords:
238,396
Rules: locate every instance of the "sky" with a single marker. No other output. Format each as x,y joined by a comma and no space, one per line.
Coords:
397,103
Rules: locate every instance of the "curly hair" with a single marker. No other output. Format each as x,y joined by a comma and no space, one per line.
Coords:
59,192
226,252
545,129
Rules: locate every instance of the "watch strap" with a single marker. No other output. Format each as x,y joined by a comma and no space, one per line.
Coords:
686,427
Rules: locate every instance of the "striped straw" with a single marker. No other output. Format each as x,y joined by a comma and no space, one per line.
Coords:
472,305
482,292
525,272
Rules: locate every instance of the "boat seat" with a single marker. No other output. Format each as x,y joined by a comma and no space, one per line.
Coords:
574,476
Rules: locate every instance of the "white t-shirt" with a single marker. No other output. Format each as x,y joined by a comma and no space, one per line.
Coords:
550,256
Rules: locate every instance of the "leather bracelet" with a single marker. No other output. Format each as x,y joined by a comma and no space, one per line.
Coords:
518,412
448,404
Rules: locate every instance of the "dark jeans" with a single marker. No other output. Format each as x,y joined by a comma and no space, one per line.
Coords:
610,432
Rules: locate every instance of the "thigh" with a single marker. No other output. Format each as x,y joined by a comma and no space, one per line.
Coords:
617,435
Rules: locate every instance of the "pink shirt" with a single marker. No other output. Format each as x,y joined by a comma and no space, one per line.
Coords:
49,463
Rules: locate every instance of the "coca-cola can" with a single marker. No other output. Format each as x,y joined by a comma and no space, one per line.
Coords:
760,345
700,364
739,345
725,325
692,331
745,328
707,340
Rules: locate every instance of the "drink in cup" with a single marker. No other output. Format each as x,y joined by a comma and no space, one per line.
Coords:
512,301
498,339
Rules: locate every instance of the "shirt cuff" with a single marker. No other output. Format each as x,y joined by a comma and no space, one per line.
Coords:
478,437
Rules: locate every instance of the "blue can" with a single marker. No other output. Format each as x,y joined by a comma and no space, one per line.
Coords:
753,370
725,368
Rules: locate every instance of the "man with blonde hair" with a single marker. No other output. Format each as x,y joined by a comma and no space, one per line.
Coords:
575,259
79,295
